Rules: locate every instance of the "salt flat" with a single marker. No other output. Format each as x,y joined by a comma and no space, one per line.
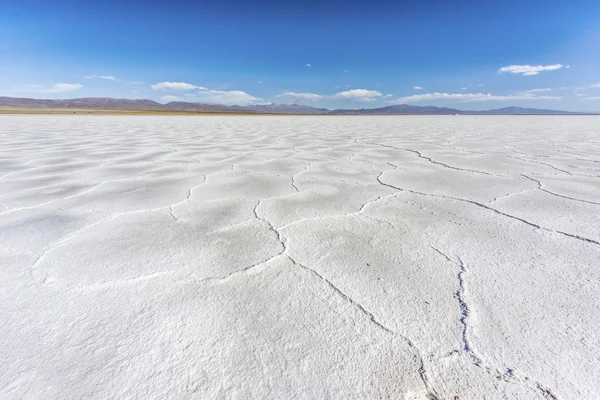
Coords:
299,257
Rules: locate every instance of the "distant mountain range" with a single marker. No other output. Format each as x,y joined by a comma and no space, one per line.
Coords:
406,109
103,103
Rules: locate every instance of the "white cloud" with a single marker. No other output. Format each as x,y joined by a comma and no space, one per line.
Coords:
227,97
480,85
231,97
56,88
590,98
174,86
596,85
362,95
301,96
345,70
308,65
387,96
259,83
201,93
358,95
169,98
418,88
528,70
464,88
469,97
137,83
106,77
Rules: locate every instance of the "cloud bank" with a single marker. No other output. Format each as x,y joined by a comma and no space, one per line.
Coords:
301,96
361,95
529,70
202,94
171,86
228,97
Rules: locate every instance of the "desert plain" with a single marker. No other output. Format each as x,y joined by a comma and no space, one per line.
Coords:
266,257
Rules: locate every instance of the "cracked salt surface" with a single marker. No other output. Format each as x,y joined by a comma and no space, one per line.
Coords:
300,257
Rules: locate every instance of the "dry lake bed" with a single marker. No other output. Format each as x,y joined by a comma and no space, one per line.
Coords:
248,257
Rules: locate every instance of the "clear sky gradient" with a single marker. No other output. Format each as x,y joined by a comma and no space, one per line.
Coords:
352,54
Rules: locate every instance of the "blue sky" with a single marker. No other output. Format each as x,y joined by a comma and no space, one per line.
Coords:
351,54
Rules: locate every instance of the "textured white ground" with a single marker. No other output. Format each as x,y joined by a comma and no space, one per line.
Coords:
299,257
